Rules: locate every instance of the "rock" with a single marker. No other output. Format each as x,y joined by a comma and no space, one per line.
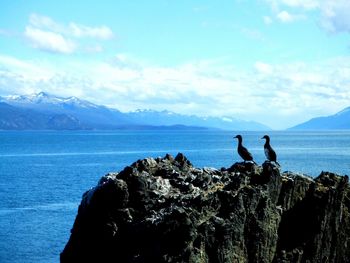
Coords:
166,210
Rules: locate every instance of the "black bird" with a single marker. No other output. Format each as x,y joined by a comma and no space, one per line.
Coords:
242,151
269,152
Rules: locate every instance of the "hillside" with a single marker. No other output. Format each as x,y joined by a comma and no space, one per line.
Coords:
338,121
14,118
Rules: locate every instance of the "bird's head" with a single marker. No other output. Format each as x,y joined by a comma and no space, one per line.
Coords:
239,137
266,137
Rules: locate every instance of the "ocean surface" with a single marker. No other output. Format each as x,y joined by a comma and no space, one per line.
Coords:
44,174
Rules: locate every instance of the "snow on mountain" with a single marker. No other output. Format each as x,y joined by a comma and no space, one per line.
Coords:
45,98
100,117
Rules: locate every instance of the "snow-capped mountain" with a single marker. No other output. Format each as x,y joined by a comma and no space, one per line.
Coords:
93,116
42,98
90,115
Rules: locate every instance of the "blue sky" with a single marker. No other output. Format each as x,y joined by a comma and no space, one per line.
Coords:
279,62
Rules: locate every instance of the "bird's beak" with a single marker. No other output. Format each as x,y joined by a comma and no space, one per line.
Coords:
262,138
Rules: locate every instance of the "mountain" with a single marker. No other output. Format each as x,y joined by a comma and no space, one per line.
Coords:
87,115
338,121
166,118
14,118
91,115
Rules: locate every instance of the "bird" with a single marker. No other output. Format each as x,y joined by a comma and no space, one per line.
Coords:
269,152
242,151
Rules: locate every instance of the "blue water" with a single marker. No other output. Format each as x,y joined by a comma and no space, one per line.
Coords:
44,174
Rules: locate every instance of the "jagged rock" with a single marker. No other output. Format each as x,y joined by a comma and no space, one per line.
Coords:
166,210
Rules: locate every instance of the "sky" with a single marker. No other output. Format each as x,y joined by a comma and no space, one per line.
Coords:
278,62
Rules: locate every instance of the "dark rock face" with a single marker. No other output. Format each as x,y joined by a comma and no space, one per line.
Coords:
166,210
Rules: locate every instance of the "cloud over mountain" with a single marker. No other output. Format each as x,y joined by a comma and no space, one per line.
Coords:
275,94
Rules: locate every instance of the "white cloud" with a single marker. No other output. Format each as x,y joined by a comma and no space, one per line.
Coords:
49,41
303,4
267,20
48,35
306,4
93,49
28,70
263,68
45,22
288,93
21,77
102,32
335,15
286,17
72,29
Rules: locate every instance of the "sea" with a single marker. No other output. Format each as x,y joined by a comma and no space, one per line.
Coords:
43,174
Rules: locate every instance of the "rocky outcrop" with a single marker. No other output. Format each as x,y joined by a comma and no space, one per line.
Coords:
166,210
